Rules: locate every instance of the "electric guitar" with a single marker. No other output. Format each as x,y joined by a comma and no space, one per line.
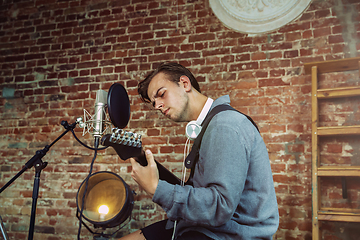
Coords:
129,145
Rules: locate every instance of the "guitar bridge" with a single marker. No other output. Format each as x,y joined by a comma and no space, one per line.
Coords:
126,138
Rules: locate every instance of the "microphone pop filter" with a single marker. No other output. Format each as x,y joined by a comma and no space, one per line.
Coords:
118,105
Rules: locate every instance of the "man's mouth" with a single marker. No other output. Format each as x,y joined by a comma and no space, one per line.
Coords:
166,112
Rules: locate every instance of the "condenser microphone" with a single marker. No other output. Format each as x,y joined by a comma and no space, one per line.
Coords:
100,112
118,106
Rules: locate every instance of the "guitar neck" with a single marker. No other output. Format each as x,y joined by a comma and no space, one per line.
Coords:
128,145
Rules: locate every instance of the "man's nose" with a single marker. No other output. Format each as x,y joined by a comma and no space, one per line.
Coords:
158,104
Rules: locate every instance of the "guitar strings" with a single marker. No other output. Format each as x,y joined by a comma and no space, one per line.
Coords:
183,176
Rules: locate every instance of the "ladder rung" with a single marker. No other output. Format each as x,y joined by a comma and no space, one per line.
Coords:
338,92
339,216
342,171
340,130
347,64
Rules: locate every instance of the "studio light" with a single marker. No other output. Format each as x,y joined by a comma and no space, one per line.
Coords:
108,200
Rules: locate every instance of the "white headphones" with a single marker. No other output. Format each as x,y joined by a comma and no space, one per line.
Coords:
193,128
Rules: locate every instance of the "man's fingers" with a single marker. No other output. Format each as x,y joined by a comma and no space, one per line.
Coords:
132,161
133,169
149,157
146,176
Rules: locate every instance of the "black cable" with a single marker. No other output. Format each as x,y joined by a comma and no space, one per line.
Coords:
87,145
96,148
96,144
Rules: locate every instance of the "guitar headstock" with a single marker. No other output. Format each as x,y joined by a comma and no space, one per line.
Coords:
126,138
126,144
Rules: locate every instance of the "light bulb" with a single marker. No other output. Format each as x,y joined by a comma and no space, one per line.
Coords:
103,210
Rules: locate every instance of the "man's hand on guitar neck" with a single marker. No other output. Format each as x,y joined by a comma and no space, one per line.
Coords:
147,177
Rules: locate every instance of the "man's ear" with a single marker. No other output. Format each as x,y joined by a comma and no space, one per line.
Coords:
185,82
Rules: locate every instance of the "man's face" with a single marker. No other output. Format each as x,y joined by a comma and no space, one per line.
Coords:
169,97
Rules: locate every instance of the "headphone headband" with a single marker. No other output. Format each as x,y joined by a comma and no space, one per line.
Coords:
193,128
204,111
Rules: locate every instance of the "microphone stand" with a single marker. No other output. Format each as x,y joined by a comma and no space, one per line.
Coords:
3,230
39,165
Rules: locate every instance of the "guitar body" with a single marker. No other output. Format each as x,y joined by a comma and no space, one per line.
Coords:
128,145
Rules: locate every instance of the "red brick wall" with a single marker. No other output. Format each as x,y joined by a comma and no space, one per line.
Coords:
55,54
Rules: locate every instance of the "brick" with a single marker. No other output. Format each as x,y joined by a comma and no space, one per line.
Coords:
156,12
22,71
275,46
336,29
243,57
34,56
114,32
173,40
272,82
87,65
336,39
257,56
162,26
14,58
306,52
274,64
84,72
140,29
110,62
322,13
67,25
277,73
202,37
322,32
45,27
222,51
243,49
187,55
295,148
105,12
66,67
291,54
123,46
25,30
292,36
339,48
244,66
298,26
334,148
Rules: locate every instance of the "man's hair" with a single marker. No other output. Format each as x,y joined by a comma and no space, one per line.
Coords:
173,71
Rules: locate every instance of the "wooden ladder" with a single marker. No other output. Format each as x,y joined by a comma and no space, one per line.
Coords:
330,214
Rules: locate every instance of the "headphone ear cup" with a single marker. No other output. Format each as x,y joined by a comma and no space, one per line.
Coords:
192,130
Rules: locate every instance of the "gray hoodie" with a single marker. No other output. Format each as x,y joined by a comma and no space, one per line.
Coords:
233,195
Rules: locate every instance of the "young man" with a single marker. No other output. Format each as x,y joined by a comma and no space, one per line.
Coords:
232,194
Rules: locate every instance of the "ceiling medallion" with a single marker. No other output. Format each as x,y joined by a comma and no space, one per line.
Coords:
258,16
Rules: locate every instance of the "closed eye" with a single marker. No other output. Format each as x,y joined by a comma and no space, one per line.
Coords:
158,95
